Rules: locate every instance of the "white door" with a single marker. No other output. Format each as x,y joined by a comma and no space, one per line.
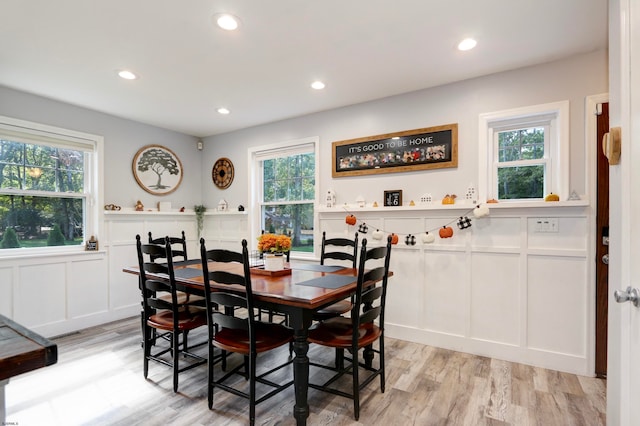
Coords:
623,372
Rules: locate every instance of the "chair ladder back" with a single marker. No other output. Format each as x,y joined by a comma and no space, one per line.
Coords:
229,300
153,289
224,277
339,255
363,310
223,320
181,241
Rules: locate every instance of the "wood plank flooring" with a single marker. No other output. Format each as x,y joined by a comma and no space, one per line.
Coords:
98,381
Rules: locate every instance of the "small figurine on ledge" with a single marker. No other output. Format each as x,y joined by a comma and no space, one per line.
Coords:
139,206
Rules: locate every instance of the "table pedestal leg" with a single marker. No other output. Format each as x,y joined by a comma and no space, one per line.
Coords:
301,376
300,321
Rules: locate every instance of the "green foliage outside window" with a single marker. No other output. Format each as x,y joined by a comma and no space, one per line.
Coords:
27,169
288,198
9,239
55,237
518,175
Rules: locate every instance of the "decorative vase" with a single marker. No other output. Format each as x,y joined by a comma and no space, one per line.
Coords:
273,261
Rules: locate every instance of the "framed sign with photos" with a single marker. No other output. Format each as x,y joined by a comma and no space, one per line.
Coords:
157,169
410,150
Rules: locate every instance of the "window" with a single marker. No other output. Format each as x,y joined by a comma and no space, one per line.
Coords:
47,185
524,152
284,191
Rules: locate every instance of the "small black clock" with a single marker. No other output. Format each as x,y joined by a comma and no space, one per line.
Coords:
222,173
393,198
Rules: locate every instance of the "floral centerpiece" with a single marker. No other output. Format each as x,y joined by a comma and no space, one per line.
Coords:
273,247
272,243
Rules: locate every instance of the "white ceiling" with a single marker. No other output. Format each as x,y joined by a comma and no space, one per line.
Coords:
71,50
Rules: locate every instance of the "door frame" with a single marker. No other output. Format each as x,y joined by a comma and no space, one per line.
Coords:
591,130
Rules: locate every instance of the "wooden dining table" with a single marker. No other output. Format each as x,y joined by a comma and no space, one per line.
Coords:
299,291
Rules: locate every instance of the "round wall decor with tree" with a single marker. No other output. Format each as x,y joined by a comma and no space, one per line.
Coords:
157,169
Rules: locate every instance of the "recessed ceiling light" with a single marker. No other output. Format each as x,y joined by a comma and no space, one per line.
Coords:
467,44
318,85
127,75
227,22
223,111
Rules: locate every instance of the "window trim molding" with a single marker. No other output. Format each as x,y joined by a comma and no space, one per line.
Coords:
42,133
263,152
559,147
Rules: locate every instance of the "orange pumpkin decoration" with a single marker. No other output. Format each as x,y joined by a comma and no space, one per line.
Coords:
446,232
449,199
492,201
351,219
394,239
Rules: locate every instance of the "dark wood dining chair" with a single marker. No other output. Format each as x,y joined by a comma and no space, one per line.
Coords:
346,251
178,245
359,331
179,253
234,334
162,312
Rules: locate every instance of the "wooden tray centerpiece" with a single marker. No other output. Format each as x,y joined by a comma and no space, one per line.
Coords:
259,270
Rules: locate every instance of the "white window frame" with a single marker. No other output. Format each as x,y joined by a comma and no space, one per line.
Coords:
555,117
256,156
31,132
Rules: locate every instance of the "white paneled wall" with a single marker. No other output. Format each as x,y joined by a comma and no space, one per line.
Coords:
498,289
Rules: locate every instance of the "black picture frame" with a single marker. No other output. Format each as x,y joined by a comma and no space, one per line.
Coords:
393,198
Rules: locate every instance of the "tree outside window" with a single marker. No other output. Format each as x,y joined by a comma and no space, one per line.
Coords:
521,163
288,197
42,195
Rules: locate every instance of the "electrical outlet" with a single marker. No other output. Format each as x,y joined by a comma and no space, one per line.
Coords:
546,224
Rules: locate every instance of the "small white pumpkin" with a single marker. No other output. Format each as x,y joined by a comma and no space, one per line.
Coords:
377,234
481,211
428,238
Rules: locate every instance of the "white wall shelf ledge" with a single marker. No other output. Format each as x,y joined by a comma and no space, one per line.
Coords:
352,208
147,212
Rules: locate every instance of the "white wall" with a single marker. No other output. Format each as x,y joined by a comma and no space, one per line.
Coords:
122,139
572,79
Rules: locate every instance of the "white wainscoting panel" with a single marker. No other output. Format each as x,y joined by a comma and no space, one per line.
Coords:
445,281
88,289
502,288
557,296
6,290
405,293
41,294
495,301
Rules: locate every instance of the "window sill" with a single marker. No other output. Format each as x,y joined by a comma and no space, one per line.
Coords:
12,254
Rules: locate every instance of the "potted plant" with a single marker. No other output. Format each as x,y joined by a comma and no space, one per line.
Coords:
273,247
199,210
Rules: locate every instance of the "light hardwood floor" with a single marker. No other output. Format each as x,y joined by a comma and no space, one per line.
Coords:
98,381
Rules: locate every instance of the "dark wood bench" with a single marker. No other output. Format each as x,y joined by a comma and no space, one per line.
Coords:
21,351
